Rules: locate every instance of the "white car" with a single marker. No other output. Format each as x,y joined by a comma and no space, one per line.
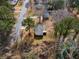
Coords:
39,30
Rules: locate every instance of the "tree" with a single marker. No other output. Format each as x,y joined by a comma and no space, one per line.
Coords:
63,30
28,23
74,3
75,26
5,3
27,38
6,21
55,5
68,50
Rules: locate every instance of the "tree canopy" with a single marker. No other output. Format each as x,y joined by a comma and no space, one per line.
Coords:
55,4
6,21
74,3
63,32
65,26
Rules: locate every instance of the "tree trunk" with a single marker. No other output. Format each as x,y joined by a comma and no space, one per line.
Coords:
62,38
75,35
